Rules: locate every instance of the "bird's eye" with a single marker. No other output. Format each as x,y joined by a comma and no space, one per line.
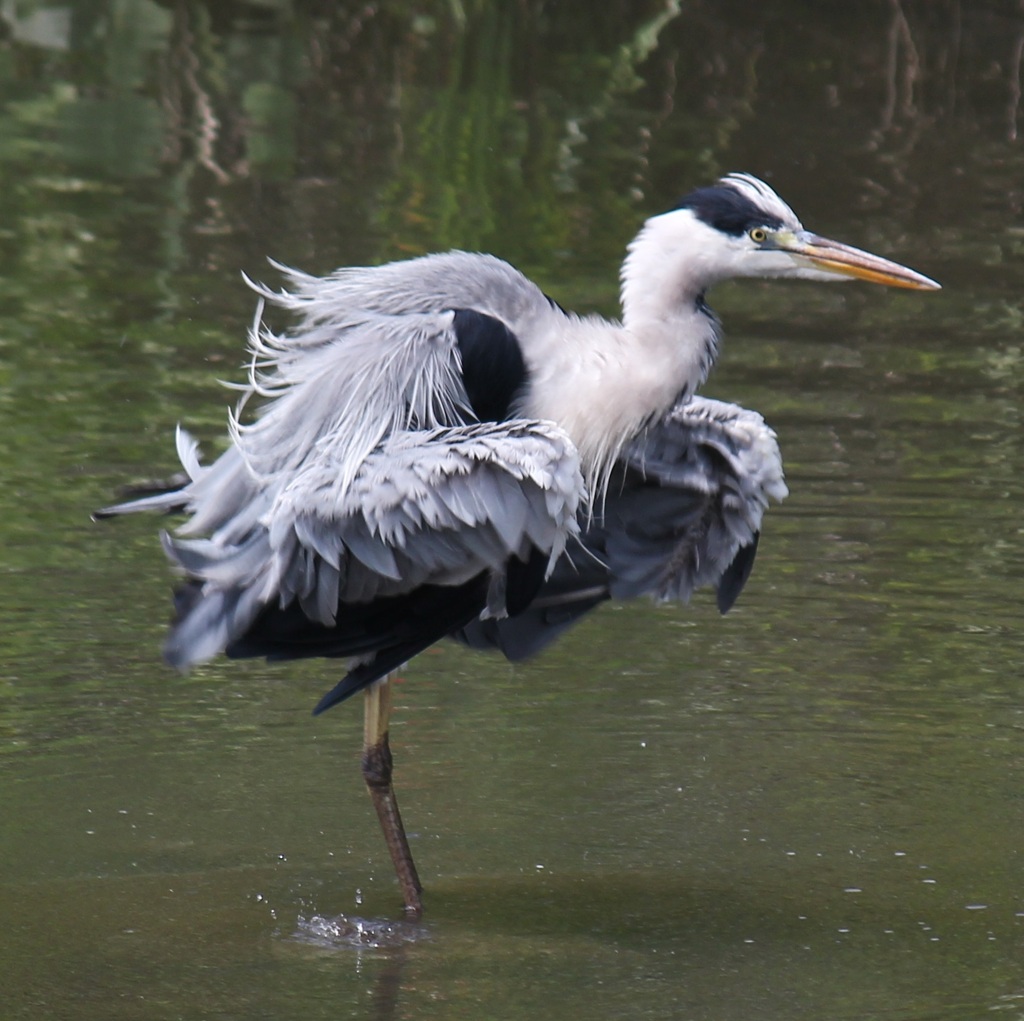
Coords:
758,235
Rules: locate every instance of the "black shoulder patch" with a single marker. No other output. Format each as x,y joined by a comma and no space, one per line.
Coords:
493,370
727,210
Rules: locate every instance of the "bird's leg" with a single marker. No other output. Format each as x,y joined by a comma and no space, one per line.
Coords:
377,774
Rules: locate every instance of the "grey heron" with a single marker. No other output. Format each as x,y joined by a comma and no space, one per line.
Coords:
442,450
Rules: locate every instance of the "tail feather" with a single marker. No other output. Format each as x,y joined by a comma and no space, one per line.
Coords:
207,620
148,496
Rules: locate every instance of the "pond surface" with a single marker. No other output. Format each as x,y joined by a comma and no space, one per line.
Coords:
809,808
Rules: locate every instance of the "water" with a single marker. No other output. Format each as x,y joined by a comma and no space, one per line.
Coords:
809,807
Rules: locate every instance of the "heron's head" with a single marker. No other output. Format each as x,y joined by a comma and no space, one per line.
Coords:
739,227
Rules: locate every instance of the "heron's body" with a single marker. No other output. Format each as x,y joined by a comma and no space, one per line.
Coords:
443,451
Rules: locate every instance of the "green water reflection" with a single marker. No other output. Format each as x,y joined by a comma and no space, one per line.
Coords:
809,807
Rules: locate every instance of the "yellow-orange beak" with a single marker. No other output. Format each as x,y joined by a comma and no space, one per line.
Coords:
834,257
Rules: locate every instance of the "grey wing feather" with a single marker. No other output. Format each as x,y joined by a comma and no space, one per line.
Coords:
361,476
683,510
420,530
716,467
323,544
430,284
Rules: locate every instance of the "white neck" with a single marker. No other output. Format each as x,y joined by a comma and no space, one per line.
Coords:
604,381
663,285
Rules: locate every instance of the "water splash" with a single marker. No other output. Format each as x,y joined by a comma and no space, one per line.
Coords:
348,931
